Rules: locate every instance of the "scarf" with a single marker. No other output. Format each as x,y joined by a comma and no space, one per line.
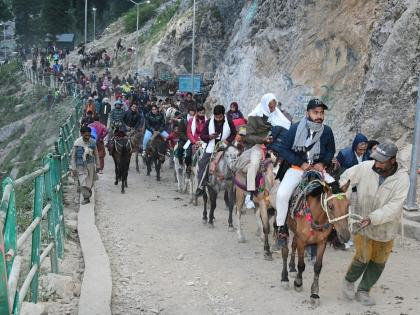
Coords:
225,134
275,118
305,138
87,149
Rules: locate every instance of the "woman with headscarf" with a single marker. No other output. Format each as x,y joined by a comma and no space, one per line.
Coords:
236,115
261,120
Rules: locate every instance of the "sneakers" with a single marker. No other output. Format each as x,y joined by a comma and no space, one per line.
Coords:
348,290
282,236
249,204
364,298
199,192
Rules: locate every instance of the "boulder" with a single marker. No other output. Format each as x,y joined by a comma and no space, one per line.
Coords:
33,309
61,285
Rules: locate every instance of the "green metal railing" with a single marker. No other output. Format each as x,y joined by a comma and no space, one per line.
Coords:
47,204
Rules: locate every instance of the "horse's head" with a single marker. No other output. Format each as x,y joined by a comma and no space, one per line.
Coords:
336,206
231,153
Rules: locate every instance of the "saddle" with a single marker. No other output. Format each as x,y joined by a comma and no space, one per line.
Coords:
311,185
259,179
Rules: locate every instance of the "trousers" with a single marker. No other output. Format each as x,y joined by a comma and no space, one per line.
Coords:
203,170
368,261
148,135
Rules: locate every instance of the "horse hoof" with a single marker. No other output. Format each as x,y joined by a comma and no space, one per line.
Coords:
115,183
293,274
268,256
211,225
231,229
285,285
298,288
315,300
241,239
204,221
123,192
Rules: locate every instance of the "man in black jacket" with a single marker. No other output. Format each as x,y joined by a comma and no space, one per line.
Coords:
308,144
132,118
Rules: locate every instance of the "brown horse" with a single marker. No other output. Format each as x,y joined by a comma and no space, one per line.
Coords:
312,221
136,137
262,213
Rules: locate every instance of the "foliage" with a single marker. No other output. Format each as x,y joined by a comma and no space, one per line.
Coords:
146,12
5,13
160,23
55,21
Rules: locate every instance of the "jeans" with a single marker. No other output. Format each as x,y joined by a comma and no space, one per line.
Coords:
148,135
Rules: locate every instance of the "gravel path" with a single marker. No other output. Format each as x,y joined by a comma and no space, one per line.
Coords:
164,260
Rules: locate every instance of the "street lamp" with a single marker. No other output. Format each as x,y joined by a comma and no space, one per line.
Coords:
94,22
137,29
193,51
86,21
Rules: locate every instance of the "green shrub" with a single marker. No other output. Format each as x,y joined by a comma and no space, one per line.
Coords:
146,12
160,23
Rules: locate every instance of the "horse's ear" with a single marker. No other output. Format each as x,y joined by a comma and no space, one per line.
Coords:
345,186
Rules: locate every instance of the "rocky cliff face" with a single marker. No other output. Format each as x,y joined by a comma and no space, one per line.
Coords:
361,57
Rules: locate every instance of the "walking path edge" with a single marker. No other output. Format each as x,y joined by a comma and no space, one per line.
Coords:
95,296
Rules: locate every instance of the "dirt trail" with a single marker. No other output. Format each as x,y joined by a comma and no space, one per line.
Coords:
164,260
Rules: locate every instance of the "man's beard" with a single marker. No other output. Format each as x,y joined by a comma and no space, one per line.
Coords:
318,121
378,170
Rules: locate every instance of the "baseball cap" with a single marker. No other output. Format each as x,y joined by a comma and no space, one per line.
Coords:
384,152
314,103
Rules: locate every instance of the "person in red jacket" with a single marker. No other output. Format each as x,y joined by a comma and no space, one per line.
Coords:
195,128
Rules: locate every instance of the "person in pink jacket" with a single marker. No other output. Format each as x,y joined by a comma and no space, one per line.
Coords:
195,127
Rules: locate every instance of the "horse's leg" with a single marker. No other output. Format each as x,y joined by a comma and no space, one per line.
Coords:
298,283
284,273
317,270
122,173
231,202
258,218
157,168
266,229
226,199
137,162
213,198
148,165
240,197
205,197
116,172
292,264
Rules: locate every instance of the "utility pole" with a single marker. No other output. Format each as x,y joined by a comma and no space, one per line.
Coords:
94,22
86,21
411,204
137,30
193,51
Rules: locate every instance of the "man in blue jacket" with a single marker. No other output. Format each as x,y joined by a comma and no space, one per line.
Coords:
308,144
354,154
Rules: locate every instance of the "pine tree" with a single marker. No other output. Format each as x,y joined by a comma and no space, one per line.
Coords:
55,17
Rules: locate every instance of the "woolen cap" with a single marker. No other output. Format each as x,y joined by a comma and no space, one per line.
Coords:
384,152
314,103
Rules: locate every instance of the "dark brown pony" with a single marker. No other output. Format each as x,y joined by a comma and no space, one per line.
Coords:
121,154
155,153
311,222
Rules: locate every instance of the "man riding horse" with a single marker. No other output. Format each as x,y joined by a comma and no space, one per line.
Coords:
258,132
308,144
218,128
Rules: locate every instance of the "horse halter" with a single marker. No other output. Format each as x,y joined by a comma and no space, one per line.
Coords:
326,208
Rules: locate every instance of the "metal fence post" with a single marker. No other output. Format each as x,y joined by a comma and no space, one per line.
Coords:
10,241
36,236
59,197
5,308
411,196
49,186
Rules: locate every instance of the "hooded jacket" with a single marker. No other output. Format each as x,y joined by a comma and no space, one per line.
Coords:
347,156
383,203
